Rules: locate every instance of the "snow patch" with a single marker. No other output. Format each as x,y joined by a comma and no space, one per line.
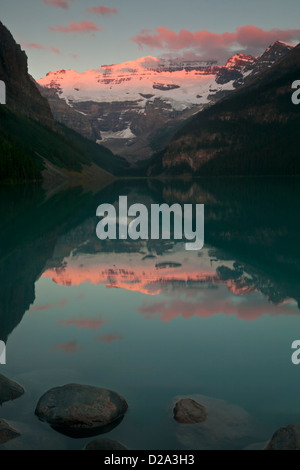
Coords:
124,134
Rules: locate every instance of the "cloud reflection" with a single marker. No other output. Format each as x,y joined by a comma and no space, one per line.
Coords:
84,323
68,348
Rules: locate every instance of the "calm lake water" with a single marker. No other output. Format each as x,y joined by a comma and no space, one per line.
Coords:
151,320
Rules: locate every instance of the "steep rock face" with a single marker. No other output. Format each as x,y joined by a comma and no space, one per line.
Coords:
235,69
253,131
271,55
70,117
22,95
28,132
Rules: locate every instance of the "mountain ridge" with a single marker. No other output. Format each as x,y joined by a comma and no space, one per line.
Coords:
29,134
135,107
22,95
253,131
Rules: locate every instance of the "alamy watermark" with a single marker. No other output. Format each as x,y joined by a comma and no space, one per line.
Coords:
296,94
162,221
295,356
2,92
2,353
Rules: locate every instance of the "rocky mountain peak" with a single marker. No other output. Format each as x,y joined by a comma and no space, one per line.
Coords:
274,52
240,60
279,46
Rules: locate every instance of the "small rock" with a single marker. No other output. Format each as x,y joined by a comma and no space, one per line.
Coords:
9,390
188,411
286,438
7,432
227,427
105,444
81,410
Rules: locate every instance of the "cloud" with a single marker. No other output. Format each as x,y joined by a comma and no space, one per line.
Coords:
167,311
34,45
68,348
59,3
55,50
102,10
84,323
109,338
249,38
41,308
81,27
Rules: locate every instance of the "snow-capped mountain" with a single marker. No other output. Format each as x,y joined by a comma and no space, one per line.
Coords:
134,107
178,84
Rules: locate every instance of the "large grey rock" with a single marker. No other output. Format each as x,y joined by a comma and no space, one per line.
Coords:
286,438
7,432
81,410
189,411
105,444
9,390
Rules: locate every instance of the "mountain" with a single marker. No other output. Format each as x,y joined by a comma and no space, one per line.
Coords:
22,95
254,131
32,144
271,55
135,107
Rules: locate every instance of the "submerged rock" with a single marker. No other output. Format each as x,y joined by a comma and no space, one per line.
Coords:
81,410
189,411
7,432
9,390
286,438
105,444
227,426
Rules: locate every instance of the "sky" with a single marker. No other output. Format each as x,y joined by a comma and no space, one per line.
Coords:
85,34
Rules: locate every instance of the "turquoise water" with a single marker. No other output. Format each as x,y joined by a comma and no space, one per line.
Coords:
151,320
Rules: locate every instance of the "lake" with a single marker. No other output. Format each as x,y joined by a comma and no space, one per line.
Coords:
149,319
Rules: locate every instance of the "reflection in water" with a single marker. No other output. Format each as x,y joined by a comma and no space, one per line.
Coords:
195,282
30,227
101,296
69,348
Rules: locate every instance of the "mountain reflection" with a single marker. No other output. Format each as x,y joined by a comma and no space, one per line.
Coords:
251,247
195,281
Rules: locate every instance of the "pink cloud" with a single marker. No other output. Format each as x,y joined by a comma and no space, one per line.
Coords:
245,36
55,50
102,10
167,311
81,27
84,323
68,348
34,45
41,308
58,3
109,338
